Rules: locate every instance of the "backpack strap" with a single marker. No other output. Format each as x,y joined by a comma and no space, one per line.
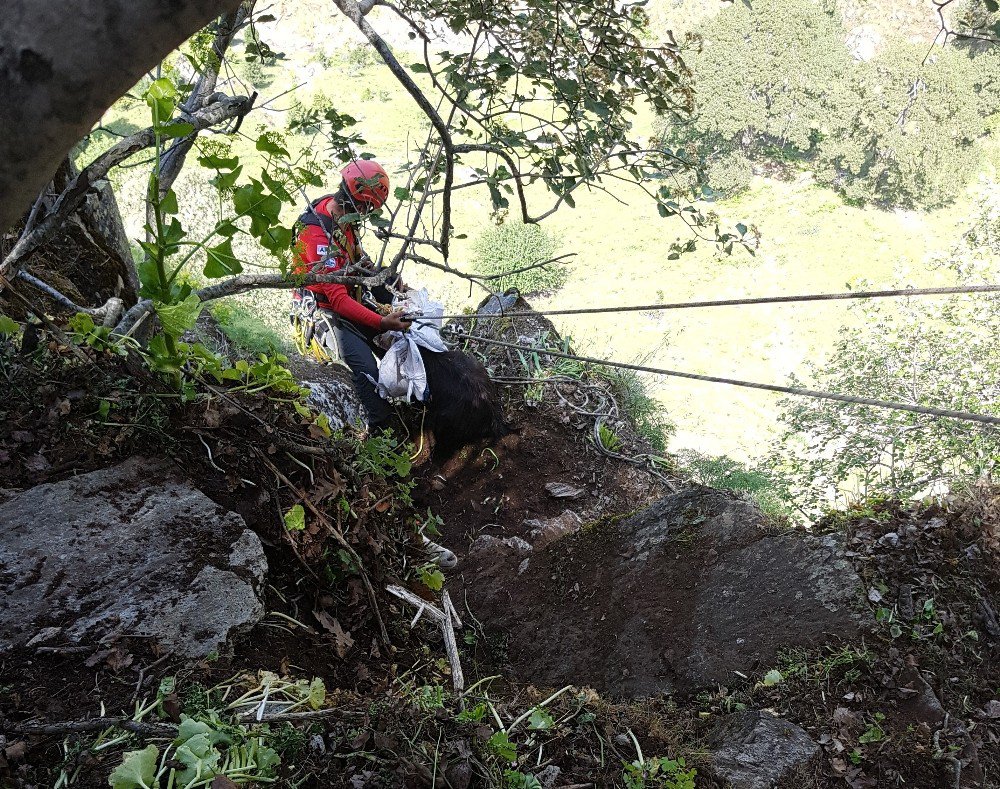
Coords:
313,217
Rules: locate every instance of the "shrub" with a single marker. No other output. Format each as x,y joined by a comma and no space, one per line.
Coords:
512,246
910,137
245,330
724,473
639,407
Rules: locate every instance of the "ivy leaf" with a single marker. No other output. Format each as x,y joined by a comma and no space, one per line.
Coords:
295,518
137,770
178,318
215,162
267,144
221,261
226,181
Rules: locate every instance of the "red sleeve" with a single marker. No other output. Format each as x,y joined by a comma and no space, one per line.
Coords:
310,247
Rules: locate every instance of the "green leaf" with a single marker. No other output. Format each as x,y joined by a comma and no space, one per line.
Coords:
295,518
317,693
267,144
540,720
221,262
168,205
137,770
8,325
992,6
276,187
501,745
177,129
226,181
418,68
219,162
199,758
161,97
772,677
178,318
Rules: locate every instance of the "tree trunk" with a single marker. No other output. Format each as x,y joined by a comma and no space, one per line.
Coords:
62,64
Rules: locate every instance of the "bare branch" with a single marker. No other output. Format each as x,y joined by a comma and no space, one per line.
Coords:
247,282
356,13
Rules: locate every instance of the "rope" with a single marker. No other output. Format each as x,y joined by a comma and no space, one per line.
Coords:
916,409
686,305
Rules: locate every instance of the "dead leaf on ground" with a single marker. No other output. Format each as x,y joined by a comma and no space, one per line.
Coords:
327,487
223,782
342,640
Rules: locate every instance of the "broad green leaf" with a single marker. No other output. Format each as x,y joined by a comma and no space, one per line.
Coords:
276,187
295,518
137,770
168,205
540,720
501,745
219,162
189,727
81,323
317,693
228,180
199,758
221,262
177,129
8,325
178,318
268,145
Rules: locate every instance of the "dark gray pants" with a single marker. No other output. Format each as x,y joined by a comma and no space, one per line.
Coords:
356,346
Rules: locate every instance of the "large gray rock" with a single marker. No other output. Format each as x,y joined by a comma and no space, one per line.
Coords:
757,750
694,591
129,551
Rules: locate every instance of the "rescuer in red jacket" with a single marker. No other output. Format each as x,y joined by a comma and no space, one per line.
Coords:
333,317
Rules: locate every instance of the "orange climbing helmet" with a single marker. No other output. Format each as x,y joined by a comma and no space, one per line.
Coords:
366,181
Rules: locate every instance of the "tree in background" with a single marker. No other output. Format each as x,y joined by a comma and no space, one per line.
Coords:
907,132
928,352
776,85
765,77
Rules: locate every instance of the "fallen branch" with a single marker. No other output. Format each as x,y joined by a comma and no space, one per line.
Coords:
58,333
93,724
447,619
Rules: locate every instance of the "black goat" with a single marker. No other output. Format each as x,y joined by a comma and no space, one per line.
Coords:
464,406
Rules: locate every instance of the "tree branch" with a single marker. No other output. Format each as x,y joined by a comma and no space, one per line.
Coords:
228,26
356,13
73,195
247,282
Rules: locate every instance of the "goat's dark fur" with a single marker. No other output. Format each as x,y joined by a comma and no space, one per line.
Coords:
464,406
